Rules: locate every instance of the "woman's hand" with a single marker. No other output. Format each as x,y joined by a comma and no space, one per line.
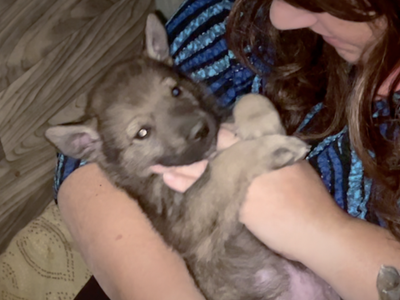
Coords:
291,211
288,208
181,178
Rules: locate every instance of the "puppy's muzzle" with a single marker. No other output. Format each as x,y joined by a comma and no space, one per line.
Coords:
201,137
200,131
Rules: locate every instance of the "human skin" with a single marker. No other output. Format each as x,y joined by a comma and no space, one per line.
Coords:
352,40
127,257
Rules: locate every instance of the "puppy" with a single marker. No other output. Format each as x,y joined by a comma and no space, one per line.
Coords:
143,113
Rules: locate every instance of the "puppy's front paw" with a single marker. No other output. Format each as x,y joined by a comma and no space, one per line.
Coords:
256,116
286,151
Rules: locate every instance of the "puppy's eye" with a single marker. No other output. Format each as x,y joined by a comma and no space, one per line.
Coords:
176,91
143,133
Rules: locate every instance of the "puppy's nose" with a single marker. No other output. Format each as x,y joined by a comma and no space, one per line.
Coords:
199,131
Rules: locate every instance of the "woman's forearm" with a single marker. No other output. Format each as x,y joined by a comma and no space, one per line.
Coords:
292,212
127,257
350,257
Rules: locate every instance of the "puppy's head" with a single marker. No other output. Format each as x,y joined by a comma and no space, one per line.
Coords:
142,113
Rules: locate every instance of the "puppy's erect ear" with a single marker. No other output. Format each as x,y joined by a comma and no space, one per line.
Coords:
77,141
157,46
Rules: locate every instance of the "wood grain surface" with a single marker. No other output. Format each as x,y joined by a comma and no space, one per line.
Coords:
51,52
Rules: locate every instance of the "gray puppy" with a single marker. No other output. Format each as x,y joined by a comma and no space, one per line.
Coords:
144,113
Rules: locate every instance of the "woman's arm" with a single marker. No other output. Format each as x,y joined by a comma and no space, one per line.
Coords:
127,257
291,211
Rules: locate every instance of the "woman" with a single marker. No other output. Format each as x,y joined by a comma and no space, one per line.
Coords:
333,79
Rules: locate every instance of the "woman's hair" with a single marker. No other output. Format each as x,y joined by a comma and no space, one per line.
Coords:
306,71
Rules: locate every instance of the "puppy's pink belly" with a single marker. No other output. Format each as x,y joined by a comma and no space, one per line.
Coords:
304,285
307,286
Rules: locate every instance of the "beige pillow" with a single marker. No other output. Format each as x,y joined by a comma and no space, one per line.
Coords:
41,262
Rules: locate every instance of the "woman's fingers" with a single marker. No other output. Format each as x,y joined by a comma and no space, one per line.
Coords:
178,182
159,169
193,170
226,137
181,178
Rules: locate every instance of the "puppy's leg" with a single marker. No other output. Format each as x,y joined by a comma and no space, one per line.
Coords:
256,116
388,283
212,204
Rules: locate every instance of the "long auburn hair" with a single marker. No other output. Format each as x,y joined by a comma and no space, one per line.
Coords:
306,71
